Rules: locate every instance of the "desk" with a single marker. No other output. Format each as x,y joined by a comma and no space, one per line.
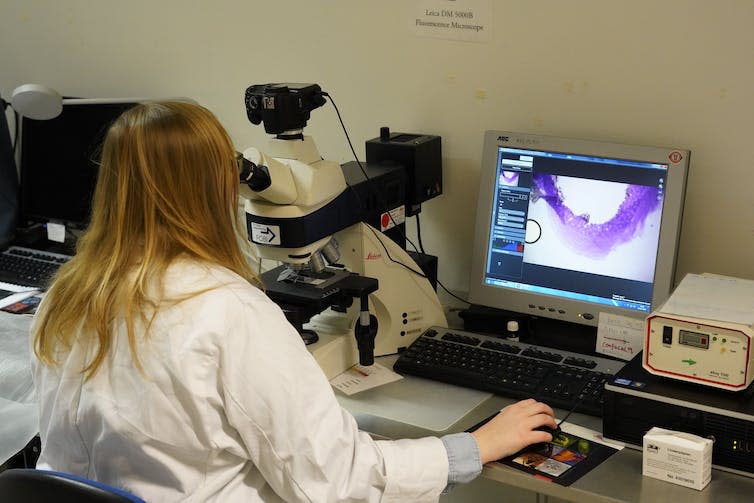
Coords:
399,409
619,478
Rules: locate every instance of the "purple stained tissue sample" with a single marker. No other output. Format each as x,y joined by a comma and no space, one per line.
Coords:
598,240
509,178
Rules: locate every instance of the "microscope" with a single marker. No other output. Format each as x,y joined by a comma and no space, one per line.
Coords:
351,291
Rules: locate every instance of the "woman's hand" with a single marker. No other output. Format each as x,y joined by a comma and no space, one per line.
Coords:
513,429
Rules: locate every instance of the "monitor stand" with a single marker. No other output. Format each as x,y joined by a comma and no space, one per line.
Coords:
536,330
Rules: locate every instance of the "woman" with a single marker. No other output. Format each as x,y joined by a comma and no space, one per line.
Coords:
163,370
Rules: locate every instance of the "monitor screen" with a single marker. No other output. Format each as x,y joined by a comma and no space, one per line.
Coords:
59,159
569,229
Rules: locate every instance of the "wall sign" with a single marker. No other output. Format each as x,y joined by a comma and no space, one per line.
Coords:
468,20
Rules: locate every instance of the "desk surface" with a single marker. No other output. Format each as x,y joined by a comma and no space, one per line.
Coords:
619,478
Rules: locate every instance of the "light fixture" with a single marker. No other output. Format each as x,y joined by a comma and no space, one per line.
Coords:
36,101
39,102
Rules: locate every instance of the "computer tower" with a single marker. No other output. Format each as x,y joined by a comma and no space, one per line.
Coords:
636,400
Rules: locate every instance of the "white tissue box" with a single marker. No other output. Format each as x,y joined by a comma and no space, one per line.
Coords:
681,458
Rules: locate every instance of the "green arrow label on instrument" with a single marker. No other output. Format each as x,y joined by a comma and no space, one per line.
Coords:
689,361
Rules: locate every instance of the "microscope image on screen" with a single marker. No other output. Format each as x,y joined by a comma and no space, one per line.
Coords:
597,226
509,178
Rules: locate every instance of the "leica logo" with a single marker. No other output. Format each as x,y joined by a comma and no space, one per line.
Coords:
374,256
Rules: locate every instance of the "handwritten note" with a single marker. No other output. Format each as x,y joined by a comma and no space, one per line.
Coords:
56,232
619,336
360,378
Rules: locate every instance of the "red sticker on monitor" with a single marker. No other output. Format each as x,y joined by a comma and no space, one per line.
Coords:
675,157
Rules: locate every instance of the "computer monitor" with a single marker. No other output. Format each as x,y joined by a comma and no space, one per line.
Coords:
59,161
568,229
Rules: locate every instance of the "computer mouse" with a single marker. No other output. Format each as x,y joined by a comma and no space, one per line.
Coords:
555,432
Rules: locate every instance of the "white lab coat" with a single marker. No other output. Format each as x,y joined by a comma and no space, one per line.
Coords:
231,407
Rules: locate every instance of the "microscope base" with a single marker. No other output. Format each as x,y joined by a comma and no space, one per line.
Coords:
335,351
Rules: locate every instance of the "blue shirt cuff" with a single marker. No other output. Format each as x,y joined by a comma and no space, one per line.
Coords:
464,461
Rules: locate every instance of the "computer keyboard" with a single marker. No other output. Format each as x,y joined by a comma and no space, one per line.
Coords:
28,267
559,378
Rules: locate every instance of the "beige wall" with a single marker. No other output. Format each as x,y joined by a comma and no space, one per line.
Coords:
671,73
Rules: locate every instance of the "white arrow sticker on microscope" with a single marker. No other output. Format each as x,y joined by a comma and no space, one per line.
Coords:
265,234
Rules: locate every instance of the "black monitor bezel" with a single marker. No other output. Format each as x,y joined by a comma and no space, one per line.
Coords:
42,141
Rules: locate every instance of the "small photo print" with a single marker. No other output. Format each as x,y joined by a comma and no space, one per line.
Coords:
556,457
26,306
553,467
563,440
566,456
530,459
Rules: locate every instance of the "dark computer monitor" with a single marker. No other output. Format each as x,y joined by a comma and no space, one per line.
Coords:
567,229
59,161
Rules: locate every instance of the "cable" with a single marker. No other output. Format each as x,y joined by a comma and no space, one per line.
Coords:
4,105
419,233
403,234
16,118
452,294
374,231
363,171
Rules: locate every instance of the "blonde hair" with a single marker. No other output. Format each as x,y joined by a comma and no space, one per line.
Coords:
167,187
